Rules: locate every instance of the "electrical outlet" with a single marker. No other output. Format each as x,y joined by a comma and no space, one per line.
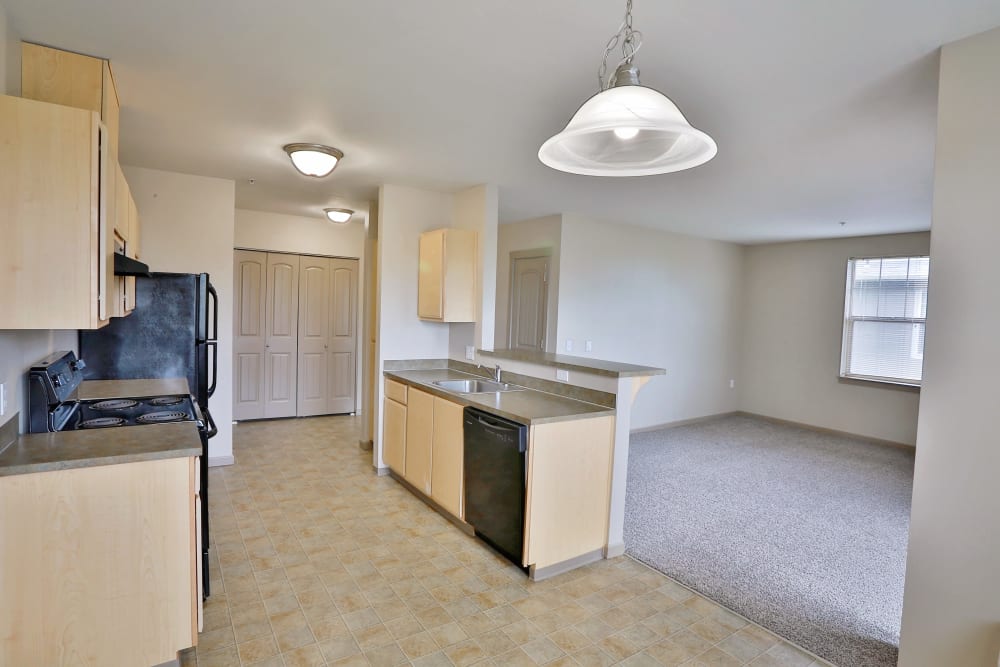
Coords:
3,399
569,344
732,384
562,376
589,346
470,352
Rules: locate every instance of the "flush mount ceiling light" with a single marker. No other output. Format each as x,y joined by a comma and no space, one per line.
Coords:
314,159
626,129
338,215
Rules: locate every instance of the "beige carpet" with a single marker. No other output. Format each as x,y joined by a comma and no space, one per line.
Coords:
802,532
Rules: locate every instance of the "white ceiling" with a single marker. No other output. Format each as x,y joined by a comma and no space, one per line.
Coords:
823,111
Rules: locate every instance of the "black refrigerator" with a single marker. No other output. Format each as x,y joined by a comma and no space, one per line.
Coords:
172,332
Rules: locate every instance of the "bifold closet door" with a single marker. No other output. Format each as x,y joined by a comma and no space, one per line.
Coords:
343,336
314,336
282,323
249,338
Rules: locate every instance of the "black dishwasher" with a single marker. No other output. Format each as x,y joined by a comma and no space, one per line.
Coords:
495,474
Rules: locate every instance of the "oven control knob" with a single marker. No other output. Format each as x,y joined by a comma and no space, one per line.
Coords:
79,365
59,380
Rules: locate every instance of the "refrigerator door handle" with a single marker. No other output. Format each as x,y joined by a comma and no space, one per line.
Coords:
215,365
214,334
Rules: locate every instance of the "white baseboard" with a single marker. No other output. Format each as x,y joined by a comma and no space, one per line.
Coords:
382,472
614,550
684,422
214,461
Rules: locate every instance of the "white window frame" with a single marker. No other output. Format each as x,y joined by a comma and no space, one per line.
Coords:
849,320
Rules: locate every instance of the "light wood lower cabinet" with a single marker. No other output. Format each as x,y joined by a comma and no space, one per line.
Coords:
569,489
100,564
419,434
394,436
447,457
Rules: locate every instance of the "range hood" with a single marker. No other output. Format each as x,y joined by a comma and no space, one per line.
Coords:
126,266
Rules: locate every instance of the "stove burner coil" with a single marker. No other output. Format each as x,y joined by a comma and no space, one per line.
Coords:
115,404
166,400
161,417
102,422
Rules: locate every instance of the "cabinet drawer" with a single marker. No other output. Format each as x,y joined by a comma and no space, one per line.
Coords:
396,391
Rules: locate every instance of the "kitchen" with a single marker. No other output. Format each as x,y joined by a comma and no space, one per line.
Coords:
352,538
143,361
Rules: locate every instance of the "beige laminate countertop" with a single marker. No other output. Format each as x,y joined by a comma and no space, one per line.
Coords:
526,406
92,390
45,452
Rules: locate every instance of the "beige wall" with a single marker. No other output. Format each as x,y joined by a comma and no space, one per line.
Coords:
539,233
793,306
188,227
951,607
259,230
478,209
659,299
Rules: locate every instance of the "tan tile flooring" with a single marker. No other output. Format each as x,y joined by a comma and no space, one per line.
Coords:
317,561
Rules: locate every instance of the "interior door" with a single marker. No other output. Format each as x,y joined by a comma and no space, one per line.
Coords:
314,334
282,319
343,336
528,302
249,272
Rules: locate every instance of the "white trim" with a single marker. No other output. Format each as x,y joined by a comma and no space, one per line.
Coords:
614,550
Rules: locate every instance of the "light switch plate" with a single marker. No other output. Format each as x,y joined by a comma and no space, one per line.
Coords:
589,346
562,375
3,399
569,344
470,352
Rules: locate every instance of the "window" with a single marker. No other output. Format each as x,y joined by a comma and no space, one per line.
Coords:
884,314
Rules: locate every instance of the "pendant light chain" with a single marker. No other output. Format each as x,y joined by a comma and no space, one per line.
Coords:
631,42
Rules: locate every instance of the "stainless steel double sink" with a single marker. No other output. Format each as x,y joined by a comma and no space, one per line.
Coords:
476,386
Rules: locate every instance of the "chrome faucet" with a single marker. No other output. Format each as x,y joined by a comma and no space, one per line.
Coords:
496,372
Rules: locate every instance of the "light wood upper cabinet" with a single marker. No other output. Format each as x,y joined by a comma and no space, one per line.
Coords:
446,286
62,77
394,436
55,175
419,435
448,456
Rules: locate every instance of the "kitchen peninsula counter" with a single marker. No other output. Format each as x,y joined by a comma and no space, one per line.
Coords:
525,406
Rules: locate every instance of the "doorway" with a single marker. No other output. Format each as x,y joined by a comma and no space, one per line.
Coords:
529,297
295,335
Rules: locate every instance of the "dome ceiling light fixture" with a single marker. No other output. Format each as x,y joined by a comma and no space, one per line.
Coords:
338,215
626,129
314,160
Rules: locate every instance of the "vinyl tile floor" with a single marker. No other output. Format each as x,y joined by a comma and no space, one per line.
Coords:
316,560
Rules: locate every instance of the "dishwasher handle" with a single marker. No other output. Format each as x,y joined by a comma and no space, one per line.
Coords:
501,426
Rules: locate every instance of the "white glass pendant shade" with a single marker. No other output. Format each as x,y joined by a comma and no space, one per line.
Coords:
627,130
338,215
314,159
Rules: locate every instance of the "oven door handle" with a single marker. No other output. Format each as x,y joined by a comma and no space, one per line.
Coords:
213,430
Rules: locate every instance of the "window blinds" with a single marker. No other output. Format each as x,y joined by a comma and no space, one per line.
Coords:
884,318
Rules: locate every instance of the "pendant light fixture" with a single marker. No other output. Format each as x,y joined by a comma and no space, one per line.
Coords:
314,159
626,129
338,215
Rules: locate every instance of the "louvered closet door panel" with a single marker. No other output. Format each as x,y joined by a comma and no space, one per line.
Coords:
343,336
282,320
314,334
249,338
